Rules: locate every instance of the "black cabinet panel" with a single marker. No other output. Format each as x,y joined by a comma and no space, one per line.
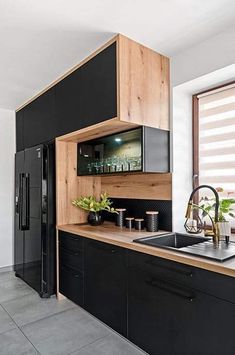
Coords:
105,284
71,242
89,94
212,283
20,130
166,317
39,120
72,259
71,267
72,284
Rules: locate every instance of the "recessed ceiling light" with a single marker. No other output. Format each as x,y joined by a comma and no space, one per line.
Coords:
118,140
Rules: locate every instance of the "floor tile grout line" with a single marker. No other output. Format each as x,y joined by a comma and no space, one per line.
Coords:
46,317
20,330
16,298
93,342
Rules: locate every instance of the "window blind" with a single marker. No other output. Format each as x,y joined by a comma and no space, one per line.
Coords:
217,139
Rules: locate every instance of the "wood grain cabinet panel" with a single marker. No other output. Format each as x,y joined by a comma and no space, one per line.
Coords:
143,85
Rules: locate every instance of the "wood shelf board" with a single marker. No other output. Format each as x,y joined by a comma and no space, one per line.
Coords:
149,186
105,128
109,233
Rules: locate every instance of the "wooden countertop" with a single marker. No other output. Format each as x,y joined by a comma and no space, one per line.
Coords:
109,233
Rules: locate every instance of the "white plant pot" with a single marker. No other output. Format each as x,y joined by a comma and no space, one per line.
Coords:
224,229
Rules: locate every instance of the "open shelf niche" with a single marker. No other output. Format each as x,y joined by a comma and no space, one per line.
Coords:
70,186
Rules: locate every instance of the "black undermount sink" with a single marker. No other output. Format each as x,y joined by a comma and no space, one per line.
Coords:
194,245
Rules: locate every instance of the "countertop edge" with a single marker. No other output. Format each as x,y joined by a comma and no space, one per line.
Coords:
162,253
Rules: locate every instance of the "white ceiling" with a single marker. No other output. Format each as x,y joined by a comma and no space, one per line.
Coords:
40,40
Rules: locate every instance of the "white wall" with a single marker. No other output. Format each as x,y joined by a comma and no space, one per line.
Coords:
203,66
206,57
7,150
182,137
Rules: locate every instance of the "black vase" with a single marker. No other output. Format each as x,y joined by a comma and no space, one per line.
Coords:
95,218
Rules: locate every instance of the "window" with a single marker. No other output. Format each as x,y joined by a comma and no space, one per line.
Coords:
214,140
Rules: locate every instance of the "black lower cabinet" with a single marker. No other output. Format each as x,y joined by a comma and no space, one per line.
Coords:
71,267
166,318
72,285
105,284
164,307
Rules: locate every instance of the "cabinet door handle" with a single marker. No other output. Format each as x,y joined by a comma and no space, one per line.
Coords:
182,272
170,288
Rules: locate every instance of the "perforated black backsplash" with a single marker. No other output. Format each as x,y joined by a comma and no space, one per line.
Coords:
137,208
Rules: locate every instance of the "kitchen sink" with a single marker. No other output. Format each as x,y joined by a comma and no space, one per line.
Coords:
194,245
172,240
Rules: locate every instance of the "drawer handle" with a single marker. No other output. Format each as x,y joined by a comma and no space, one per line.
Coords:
70,252
70,271
182,272
170,289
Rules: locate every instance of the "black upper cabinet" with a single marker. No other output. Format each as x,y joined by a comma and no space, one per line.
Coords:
39,120
89,94
85,97
20,130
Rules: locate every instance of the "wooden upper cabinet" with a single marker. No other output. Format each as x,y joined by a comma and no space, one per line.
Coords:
143,81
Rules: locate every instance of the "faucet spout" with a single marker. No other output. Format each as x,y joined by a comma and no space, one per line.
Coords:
215,232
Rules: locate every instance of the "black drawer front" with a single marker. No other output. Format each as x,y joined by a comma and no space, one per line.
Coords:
70,241
71,259
72,285
206,281
162,268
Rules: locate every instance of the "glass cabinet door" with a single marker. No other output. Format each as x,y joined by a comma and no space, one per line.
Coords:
117,153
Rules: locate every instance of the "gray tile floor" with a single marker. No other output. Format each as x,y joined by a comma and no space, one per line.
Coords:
31,325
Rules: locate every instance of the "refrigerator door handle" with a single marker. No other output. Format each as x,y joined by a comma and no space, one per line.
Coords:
25,202
20,200
27,224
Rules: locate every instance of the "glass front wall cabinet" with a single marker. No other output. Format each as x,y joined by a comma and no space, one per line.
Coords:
121,152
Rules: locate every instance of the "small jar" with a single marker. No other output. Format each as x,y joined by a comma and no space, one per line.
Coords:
152,221
129,222
120,217
139,223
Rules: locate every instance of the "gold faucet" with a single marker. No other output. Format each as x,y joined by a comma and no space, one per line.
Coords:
214,233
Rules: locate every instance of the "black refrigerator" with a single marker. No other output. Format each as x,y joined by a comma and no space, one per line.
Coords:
35,238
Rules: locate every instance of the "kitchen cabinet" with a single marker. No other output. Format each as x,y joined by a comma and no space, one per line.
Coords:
166,317
143,149
20,130
106,284
71,267
88,95
39,120
35,123
123,80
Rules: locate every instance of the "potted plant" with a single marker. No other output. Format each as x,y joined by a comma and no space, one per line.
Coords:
225,210
95,207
